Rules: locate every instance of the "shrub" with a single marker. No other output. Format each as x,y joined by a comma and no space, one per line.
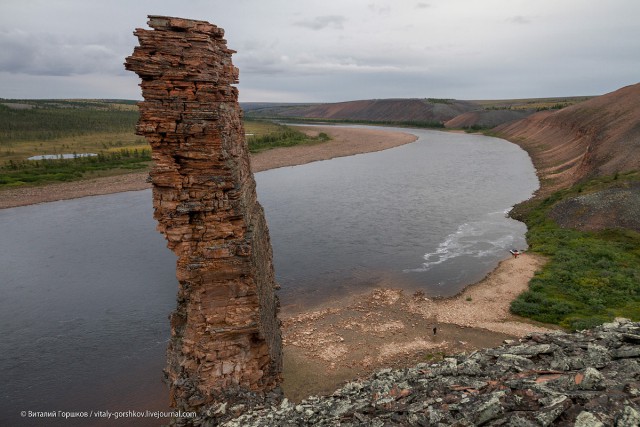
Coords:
590,278
283,136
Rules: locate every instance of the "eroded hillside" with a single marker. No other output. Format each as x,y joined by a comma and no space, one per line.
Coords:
594,138
423,111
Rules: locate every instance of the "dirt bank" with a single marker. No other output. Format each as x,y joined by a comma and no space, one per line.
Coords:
597,137
344,142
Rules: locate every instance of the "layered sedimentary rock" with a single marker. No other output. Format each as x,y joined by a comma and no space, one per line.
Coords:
225,345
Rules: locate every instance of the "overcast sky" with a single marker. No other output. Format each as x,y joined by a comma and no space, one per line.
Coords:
336,50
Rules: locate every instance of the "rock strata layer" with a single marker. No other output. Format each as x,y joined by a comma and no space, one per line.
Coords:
589,378
225,346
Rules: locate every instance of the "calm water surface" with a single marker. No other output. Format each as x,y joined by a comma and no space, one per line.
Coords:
86,285
428,215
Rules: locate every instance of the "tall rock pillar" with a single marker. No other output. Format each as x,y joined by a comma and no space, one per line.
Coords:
225,335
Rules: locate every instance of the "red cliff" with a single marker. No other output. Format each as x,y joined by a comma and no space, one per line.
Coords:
597,137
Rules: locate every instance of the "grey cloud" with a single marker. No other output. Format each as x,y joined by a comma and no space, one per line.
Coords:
260,57
322,22
52,55
271,62
255,64
381,9
519,19
15,52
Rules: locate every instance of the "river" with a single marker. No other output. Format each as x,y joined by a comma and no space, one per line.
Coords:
87,284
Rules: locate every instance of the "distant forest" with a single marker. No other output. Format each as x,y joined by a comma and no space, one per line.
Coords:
47,120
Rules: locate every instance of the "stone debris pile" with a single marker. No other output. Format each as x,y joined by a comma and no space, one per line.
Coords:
588,378
225,335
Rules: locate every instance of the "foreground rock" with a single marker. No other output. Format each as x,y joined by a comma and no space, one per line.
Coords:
590,378
225,335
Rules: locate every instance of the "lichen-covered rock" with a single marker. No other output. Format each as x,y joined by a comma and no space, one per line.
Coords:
225,349
482,389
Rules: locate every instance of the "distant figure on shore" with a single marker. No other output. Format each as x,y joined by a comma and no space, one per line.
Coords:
435,330
515,252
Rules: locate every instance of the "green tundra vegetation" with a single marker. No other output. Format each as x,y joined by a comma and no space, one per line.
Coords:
477,128
49,120
262,135
55,127
14,173
538,104
440,100
591,277
103,127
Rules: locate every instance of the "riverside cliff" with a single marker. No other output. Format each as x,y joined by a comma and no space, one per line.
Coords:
593,138
593,141
225,346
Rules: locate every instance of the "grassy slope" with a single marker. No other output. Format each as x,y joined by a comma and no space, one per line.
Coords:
591,277
590,148
530,104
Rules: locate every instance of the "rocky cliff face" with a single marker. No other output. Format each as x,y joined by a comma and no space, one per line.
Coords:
225,345
590,378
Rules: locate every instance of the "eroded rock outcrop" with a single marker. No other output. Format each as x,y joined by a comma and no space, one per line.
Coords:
225,348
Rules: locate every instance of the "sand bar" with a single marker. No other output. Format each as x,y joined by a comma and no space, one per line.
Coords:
393,328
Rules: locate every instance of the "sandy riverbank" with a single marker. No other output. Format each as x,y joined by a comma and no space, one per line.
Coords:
390,328
344,142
